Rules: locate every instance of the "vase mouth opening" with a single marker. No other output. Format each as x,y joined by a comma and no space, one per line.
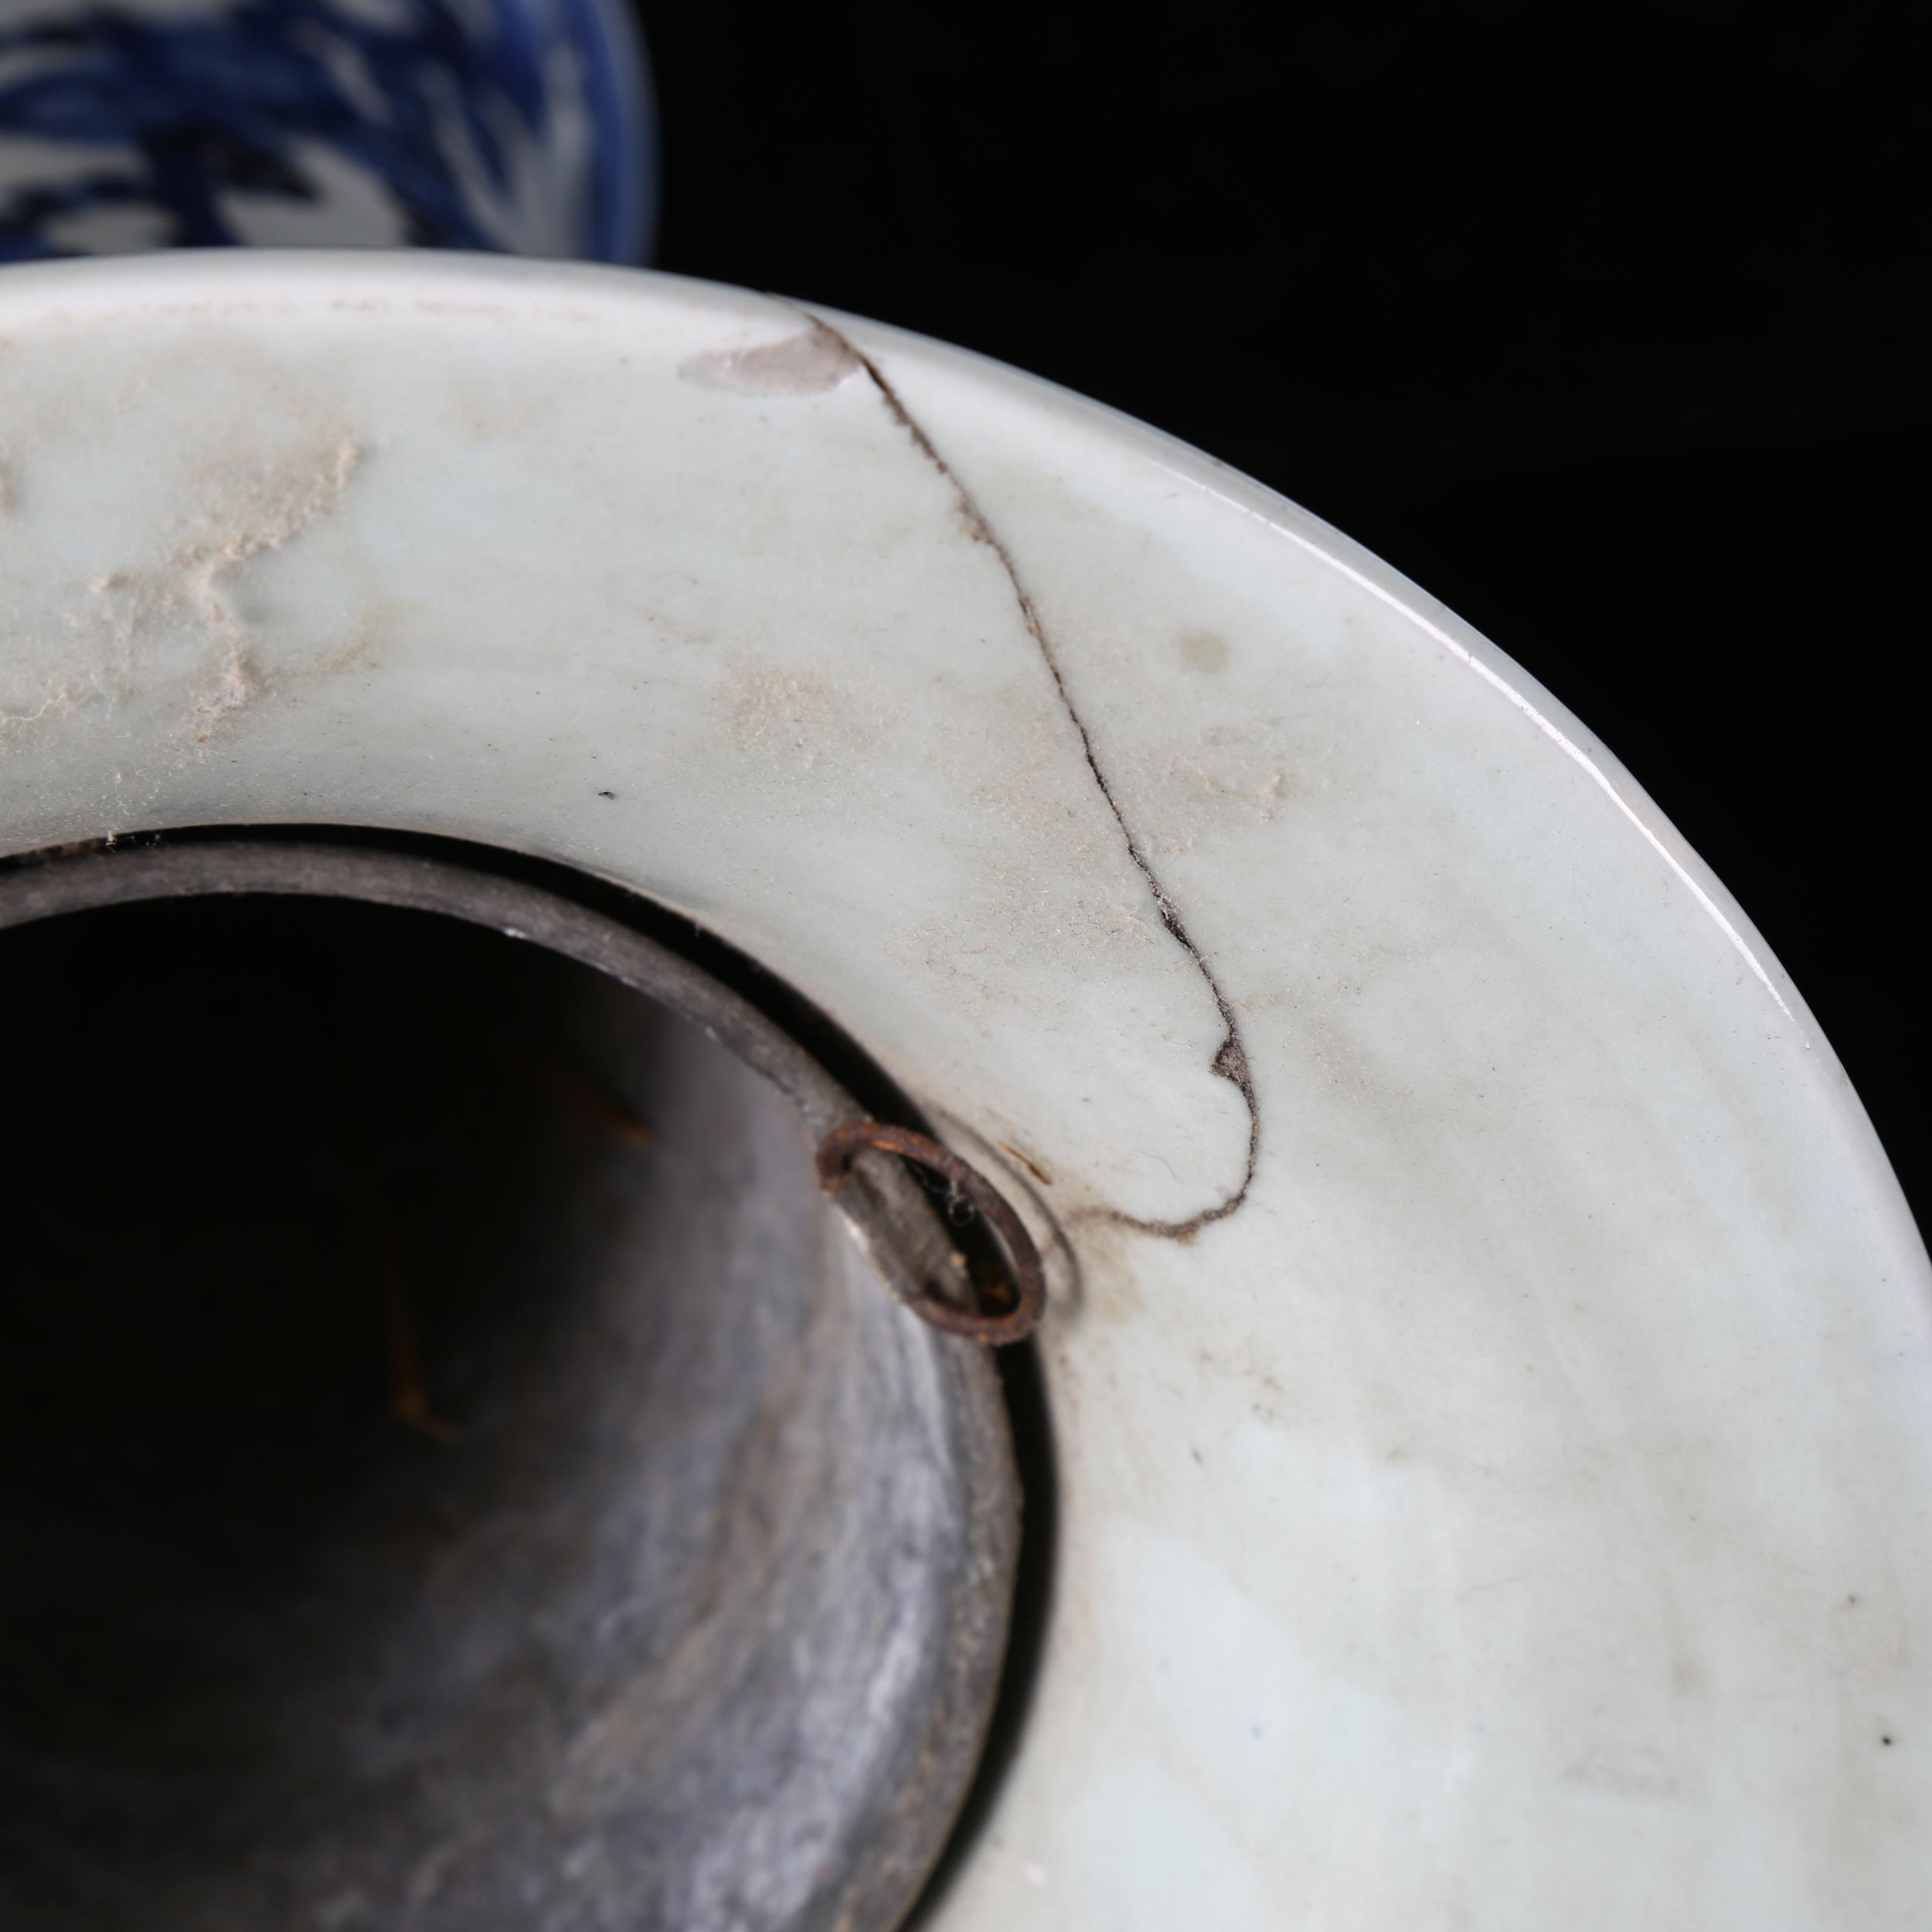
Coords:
453,1449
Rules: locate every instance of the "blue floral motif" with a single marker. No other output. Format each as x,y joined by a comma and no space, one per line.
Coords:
519,125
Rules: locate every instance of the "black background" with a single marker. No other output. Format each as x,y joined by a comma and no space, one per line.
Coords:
1597,329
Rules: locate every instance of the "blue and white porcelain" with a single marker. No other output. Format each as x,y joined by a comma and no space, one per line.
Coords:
511,126
1488,1373
1488,1361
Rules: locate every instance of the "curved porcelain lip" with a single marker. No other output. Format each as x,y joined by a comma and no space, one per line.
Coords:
610,291
1516,1511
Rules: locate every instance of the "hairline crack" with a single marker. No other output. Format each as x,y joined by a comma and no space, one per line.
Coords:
1230,1060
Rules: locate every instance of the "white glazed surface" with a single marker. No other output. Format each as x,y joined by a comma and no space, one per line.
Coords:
1513,1512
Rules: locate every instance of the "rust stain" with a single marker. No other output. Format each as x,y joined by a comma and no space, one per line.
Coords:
409,1393
1025,1160
836,1153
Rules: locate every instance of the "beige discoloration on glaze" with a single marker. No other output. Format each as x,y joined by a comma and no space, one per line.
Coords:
795,720
242,509
814,359
176,620
1465,1532
1202,650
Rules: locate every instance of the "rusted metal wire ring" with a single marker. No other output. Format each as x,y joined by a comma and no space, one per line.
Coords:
835,1154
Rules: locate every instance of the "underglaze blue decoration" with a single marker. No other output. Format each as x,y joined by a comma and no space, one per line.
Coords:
516,126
